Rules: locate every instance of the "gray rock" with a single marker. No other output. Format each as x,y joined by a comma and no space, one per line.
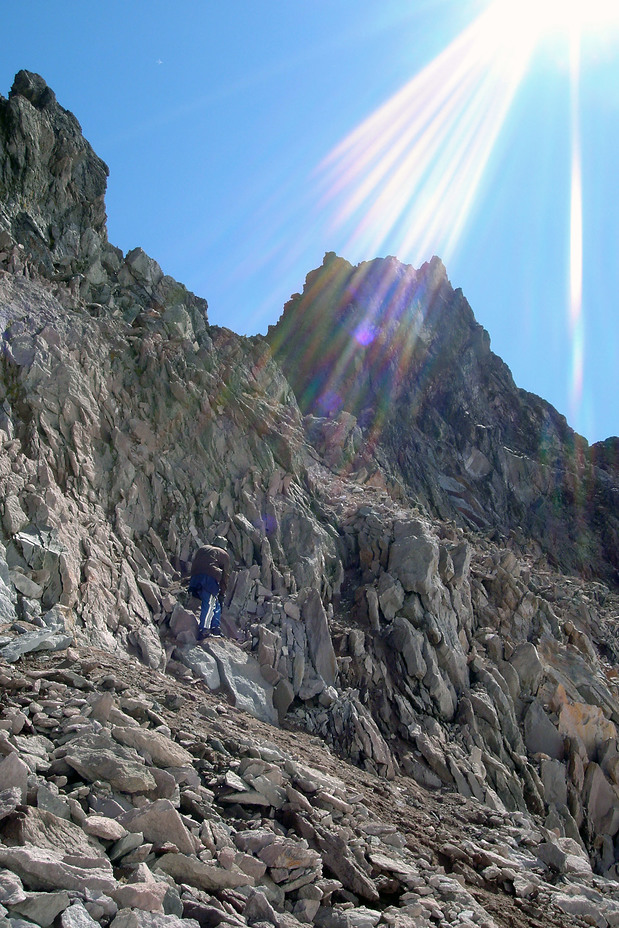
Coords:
144,896
44,869
46,640
134,918
162,750
408,642
530,669
197,873
283,696
49,801
160,823
601,802
318,636
42,908
359,917
241,678
97,757
204,665
11,889
76,916
413,557
125,845
9,799
46,830
540,735
259,909
554,778
13,775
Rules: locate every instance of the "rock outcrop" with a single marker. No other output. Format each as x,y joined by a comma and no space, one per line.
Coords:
398,352
413,717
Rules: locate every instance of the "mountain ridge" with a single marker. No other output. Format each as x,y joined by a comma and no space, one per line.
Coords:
401,350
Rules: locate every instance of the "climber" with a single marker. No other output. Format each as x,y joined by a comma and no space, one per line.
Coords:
210,571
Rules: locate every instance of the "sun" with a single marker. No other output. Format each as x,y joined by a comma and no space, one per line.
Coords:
541,18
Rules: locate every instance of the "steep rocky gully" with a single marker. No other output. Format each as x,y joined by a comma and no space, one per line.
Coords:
413,719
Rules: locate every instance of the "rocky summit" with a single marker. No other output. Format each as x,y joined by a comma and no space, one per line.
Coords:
411,719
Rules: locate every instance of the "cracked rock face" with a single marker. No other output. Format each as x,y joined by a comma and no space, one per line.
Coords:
412,716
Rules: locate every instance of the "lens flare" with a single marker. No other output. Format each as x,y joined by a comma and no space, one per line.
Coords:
407,178
410,172
576,236
553,16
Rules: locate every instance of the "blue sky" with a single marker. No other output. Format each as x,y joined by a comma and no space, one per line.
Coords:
227,128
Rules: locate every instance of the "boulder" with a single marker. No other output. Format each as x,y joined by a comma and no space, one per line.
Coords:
540,735
162,750
242,680
45,869
46,830
98,757
407,641
160,823
529,667
205,876
319,636
414,557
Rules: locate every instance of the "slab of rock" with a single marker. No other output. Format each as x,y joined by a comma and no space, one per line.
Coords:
49,801
125,845
9,800
14,775
185,869
77,916
338,858
44,869
46,830
45,640
319,637
134,918
160,823
403,870
413,557
529,667
356,917
100,826
145,896
288,854
540,735
42,908
602,801
283,696
587,723
163,751
203,664
98,757
11,888
408,642
243,681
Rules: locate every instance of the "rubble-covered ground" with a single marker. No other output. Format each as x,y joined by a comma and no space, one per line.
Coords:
127,794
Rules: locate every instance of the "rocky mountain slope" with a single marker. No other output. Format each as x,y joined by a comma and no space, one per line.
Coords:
401,351
414,721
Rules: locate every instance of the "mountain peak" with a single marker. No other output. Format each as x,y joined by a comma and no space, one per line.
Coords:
34,88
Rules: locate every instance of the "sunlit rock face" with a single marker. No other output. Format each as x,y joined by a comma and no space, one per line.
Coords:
400,350
52,183
395,616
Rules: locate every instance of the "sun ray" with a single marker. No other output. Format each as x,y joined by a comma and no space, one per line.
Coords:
576,322
408,175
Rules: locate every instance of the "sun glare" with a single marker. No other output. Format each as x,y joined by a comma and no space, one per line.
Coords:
548,16
407,178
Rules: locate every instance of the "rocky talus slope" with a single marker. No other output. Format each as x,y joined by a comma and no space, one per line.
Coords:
413,720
